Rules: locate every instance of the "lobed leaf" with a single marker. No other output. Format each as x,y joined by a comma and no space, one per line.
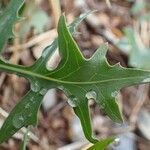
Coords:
80,79
8,126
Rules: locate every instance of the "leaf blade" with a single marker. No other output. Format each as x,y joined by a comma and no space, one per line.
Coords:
49,50
82,111
102,144
23,114
77,76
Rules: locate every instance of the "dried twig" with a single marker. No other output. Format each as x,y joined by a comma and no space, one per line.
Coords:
35,40
108,3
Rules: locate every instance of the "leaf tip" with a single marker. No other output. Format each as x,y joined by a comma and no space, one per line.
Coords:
61,24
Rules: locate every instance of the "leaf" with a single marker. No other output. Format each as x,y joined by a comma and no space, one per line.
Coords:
8,126
79,78
24,114
7,20
48,52
102,144
139,56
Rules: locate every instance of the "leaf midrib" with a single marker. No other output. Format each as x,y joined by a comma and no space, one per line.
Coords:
20,70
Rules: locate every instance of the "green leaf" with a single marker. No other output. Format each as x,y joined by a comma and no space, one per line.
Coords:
102,144
82,111
79,78
48,51
8,125
7,20
24,114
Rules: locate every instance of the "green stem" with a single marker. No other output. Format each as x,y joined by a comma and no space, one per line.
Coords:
25,140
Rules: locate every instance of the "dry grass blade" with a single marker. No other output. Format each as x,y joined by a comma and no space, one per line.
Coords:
143,30
108,3
35,40
141,96
56,10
